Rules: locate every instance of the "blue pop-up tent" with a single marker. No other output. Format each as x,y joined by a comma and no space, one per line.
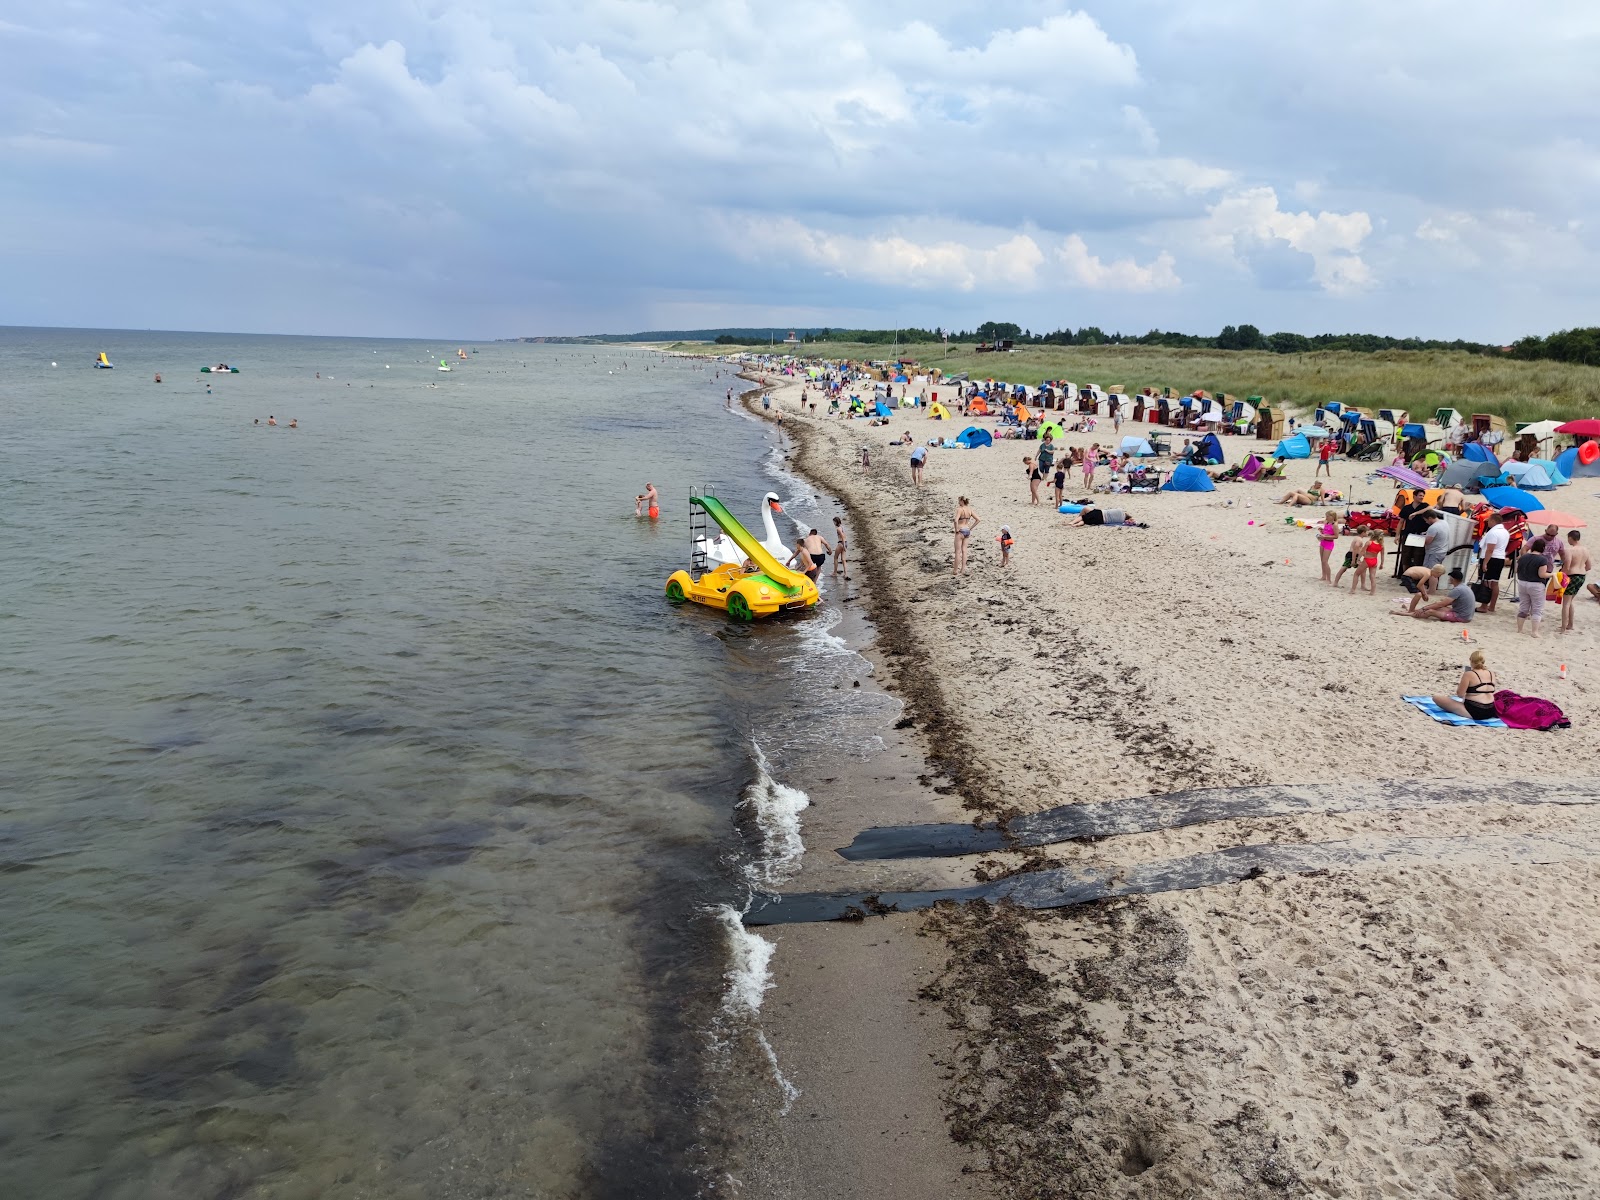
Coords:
1136,445
1478,452
1567,463
881,409
1209,449
1293,447
1188,479
972,437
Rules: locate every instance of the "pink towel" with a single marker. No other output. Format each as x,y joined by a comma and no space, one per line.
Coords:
1528,712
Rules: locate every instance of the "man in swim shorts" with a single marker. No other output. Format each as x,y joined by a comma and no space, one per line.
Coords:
652,501
1579,565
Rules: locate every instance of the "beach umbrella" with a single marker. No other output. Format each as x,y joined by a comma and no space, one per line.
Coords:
1540,429
1586,427
1404,476
1510,497
1562,520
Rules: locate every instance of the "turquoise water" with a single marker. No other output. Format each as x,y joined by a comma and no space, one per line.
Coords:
363,800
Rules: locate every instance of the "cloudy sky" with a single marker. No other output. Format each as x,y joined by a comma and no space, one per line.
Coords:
507,167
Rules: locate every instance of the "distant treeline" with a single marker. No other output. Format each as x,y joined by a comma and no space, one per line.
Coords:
1232,337
1571,345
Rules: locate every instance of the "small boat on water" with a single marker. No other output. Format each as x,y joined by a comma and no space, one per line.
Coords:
443,366
219,369
104,363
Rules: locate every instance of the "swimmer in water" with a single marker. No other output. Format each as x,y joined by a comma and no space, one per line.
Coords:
271,420
257,421
638,506
294,422
652,501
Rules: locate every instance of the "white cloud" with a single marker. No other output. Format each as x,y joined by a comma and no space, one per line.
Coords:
1086,270
1249,228
980,261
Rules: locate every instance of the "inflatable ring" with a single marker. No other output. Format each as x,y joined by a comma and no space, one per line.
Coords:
1588,452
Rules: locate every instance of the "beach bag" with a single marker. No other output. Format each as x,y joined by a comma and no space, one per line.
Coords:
1481,592
1556,585
1528,712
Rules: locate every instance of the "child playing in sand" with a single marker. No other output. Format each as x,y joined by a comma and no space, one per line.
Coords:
1006,543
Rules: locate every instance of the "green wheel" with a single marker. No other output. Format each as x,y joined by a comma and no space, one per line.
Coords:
739,607
675,592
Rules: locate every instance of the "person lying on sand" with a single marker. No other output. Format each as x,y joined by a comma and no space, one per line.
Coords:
1105,516
1298,498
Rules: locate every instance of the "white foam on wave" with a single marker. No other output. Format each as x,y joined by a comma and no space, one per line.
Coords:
776,808
747,981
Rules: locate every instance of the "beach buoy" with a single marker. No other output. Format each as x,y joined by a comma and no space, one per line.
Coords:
1563,670
1587,452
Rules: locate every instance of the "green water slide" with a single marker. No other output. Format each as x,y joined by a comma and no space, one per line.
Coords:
748,545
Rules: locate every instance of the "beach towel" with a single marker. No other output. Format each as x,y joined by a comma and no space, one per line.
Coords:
1529,712
1426,704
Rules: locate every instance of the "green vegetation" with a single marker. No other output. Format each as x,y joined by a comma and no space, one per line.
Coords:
1419,381
1570,345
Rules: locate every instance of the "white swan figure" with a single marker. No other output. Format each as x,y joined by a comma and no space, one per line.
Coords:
720,550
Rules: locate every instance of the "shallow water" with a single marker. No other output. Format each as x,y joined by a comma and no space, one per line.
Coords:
366,809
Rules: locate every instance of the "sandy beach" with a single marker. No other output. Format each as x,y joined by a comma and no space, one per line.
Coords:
1421,1024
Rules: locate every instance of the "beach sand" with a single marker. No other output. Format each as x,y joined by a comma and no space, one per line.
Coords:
1383,1029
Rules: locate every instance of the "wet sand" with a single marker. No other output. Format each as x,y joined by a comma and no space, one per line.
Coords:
1419,1030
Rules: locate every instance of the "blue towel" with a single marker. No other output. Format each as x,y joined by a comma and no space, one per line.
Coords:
1426,704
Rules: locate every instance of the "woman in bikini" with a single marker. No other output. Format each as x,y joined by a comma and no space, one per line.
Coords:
965,522
1474,692
802,562
1327,539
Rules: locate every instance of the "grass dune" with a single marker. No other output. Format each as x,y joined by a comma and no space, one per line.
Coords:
1417,380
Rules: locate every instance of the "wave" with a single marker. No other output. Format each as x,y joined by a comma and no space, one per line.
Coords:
776,809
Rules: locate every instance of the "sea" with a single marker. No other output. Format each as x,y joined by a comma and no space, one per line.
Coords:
370,825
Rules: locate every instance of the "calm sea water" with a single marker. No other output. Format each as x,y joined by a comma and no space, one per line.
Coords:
365,812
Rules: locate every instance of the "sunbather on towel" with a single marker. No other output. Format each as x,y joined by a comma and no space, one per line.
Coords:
1299,498
1475,691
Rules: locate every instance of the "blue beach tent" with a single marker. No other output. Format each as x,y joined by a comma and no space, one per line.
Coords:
1209,449
1567,463
1293,447
1478,452
1136,445
881,409
1557,475
1188,479
972,437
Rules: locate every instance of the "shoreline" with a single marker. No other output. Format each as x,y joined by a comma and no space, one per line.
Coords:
1205,1043
844,1015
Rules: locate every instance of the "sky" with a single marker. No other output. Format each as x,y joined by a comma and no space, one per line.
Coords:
513,167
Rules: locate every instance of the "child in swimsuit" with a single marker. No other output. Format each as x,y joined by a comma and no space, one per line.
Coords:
1006,542
1327,538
